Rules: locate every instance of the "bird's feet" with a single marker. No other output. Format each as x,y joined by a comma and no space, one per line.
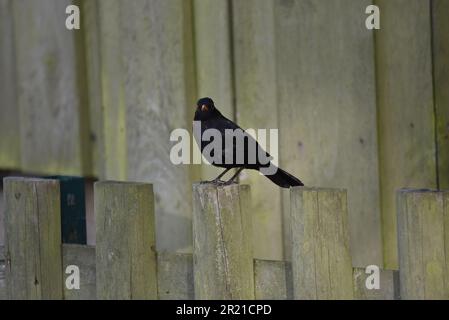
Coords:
219,182
215,181
229,182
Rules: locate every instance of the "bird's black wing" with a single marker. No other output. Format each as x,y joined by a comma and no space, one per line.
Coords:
224,123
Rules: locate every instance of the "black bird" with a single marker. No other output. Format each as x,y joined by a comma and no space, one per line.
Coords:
210,118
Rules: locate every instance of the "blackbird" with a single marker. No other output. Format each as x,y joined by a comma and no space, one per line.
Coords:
244,155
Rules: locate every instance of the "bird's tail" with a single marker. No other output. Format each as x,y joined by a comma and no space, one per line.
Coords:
284,179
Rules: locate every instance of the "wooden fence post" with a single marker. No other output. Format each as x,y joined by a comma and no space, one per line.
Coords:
175,276
33,239
423,242
222,242
2,274
273,280
125,240
321,261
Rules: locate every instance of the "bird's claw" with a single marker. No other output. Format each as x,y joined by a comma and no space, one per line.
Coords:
219,182
229,182
215,181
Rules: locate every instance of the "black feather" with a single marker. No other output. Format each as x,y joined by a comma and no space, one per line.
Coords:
284,179
211,118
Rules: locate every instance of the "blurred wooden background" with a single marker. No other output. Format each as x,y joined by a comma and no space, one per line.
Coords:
357,109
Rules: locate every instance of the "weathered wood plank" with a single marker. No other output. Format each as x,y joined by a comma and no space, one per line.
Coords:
446,236
255,90
321,261
125,241
175,276
405,108
273,280
148,90
91,36
2,274
90,213
84,258
33,238
220,256
388,285
85,134
2,218
327,110
213,57
112,93
50,90
422,215
9,113
440,31
2,249
158,100
246,248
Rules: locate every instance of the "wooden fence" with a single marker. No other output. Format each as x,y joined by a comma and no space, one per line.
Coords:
124,264
357,109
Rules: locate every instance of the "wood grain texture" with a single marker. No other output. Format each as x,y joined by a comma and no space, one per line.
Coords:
148,90
90,213
50,91
256,102
2,218
2,274
125,243
83,257
327,110
388,290
422,244
446,237
405,108
213,60
222,263
440,31
321,261
273,280
175,276
33,239
112,92
9,113
246,248
92,44
159,99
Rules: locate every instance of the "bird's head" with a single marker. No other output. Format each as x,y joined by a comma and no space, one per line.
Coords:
205,109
